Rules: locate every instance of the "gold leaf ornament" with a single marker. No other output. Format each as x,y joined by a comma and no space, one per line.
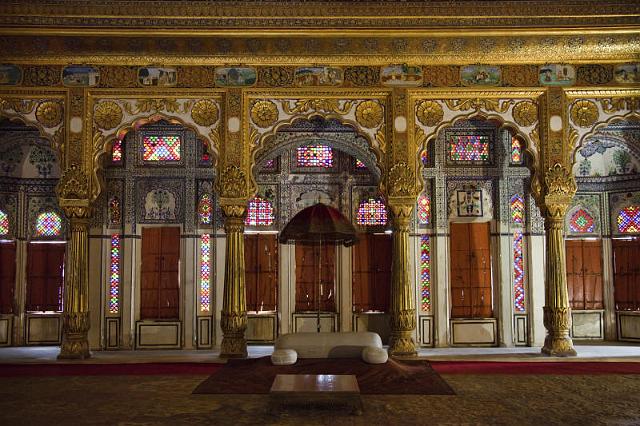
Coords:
429,113
584,113
264,113
49,113
204,112
525,113
107,115
369,114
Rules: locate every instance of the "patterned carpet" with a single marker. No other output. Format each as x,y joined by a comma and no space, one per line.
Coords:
167,400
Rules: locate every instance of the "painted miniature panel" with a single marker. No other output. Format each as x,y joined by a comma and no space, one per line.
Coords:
80,76
602,158
401,76
318,76
10,75
627,73
556,75
480,75
160,200
235,76
469,203
154,76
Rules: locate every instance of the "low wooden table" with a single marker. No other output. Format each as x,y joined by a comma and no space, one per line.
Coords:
327,391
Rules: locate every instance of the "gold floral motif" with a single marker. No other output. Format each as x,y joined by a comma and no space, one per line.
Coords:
42,75
429,113
264,113
118,76
326,105
441,76
401,180
620,104
107,115
559,181
520,75
73,184
478,104
232,183
204,112
369,114
49,113
24,106
594,74
525,113
157,105
584,113
276,76
362,76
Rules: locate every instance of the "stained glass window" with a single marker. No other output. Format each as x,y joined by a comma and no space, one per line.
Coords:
116,151
205,272
114,275
424,157
206,157
161,148
205,209
259,213
518,271
269,164
360,164
629,220
48,224
372,212
516,151
425,273
517,209
315,156
582,222
469,148
424,209
114,211
4,223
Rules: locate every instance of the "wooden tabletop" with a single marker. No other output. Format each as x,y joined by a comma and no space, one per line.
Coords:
329,383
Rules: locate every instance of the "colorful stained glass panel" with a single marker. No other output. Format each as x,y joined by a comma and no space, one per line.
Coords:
259,213
425,273
205,272
205,210
48,224
114,275
629,220
4,223
516,151
372,212
469,148
582,222
424,157
424,209
116,151
205,157
518,272
517,209
315,156
360,164
161,148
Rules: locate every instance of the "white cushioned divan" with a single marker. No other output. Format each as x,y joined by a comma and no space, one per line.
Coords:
284,357
373,355
329,345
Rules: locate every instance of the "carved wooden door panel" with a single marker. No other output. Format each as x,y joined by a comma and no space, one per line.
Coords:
261,266
160,289
626,274
45,276
308,292
584,274
7,276
371,274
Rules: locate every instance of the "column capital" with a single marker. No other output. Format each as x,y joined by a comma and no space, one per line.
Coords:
559,189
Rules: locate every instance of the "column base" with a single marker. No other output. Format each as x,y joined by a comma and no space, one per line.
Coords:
402,345
75,348
75,343
558,346
233,347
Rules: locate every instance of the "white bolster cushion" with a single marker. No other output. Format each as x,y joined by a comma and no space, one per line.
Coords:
374,355
284,357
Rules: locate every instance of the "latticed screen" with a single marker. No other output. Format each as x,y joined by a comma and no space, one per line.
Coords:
372,212
516,151
205,272
517,209
425,273
315,156
582,222
424,209
205,209
259,213
518,271
116,151
629,220
48,224
469,148
360,164
161,148
114,275
4,223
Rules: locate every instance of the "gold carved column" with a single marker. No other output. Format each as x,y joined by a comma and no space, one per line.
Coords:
72,194
560,187
403,311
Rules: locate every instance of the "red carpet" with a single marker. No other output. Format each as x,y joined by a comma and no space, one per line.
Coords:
9,370
587,368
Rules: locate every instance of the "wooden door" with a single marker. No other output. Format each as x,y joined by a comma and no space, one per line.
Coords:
471,295
309,294
45,276
626,274
584,274
371,274
160,288
261,267
7,276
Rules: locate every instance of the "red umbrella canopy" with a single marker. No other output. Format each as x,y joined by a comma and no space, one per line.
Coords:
319,223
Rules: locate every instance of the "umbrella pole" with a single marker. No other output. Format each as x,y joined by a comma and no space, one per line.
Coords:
319,285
